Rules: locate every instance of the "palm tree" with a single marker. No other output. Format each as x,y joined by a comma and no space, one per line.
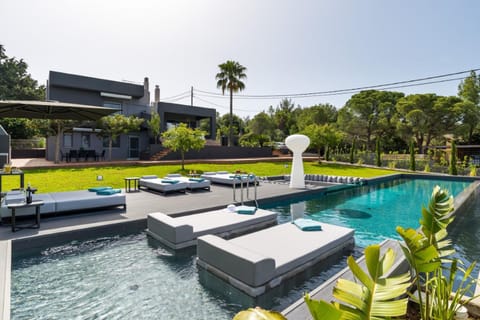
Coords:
230,76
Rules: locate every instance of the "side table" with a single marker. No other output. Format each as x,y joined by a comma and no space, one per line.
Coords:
128,186
33,204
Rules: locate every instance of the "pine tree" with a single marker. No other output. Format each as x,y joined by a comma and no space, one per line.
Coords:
452,168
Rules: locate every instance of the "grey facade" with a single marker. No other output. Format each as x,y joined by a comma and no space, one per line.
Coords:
130,99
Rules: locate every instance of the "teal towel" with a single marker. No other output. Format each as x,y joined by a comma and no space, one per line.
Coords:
245,210
95,189
107,192
196,179
170,181
307,224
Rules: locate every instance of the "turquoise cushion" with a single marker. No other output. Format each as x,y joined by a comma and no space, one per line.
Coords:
170,181
245,210
196,179
307,224
107,192
95,189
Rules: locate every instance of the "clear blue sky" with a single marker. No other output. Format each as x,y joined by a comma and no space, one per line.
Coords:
287,46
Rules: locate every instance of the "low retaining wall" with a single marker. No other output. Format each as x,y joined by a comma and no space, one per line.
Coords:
220,152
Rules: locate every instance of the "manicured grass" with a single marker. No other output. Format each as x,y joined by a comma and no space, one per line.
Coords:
50,180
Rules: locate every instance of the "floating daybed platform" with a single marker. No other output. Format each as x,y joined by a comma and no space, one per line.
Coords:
163,185
224,177
192,183
262,260
182,232
55,202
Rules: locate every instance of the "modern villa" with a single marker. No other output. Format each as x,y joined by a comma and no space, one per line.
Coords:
129,99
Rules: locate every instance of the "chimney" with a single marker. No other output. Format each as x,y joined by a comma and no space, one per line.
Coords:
146,90
157,94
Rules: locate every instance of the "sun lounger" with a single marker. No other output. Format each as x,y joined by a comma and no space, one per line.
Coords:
164,185
62,202
192,183
182,232
224,177
259,261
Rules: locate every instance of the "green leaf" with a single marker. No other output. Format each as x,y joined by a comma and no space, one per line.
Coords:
258,314
322,310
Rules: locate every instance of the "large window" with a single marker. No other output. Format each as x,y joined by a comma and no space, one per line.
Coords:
113,105
115,142
67,140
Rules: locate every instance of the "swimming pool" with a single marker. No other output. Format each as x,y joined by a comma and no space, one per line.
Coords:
372,210
132,276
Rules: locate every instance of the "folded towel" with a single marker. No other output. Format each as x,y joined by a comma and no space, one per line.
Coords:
196,179
245,210
107,192
170,181
307,224
95,189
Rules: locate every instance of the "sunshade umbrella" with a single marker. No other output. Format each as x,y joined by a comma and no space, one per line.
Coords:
51,110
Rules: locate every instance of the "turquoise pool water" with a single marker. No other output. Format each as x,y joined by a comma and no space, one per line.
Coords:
133,277
373,211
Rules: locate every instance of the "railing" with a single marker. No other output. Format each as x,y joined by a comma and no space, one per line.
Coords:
245,181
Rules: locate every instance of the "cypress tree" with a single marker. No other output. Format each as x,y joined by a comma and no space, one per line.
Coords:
378,155
452,168
352,150
412,156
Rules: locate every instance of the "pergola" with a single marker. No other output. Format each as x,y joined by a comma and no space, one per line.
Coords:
52,110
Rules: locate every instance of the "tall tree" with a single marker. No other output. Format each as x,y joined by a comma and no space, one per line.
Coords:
284,115
469,109
319,114
184,139
113,126
369,113
154,125
17,84
230,77
224,128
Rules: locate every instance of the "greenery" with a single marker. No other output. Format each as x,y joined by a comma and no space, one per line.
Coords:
67,179
412,156
371,296
378,153
230,77
184,139
452,167
112,126
154,126
17,84
352,150
258,314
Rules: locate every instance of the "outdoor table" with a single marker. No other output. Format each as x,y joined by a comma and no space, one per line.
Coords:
33,204
128,187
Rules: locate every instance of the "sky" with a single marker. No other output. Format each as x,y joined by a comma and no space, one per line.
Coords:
287,46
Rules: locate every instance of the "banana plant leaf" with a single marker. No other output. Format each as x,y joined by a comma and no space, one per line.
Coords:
258,314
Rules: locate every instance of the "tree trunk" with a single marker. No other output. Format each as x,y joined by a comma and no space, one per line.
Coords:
110,142
230,132
57,143
183,159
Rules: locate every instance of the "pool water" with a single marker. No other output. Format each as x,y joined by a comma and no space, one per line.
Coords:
133,277
373,211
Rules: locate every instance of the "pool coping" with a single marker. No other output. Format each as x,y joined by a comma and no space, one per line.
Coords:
124,227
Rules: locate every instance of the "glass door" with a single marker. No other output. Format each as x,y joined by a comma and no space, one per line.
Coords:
133,147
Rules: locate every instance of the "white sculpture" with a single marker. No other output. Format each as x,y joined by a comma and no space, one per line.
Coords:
297,143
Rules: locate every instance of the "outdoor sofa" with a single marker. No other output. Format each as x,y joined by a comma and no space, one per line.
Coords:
264,259
164,185
226,178
182,232
63,202
192,183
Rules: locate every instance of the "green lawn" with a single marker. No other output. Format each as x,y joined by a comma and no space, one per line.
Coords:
49,180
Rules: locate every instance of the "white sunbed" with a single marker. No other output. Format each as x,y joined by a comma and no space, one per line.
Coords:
182,232
192,183
262,260
154,183
224,177
55,202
